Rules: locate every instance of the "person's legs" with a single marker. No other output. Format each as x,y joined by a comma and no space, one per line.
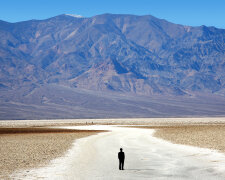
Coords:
119,165
122,163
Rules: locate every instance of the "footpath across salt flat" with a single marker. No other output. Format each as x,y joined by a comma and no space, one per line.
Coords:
147,157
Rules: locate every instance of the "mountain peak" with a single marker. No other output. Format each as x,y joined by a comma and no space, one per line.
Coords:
130,53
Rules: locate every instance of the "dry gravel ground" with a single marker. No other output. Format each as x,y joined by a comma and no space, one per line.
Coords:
205,136
28,146
24,148
147,157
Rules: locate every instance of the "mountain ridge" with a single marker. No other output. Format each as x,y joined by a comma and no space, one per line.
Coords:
125,54
154,48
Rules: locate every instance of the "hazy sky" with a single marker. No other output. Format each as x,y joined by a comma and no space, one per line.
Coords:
186,12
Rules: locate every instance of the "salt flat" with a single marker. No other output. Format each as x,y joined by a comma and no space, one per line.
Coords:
147,157
116,121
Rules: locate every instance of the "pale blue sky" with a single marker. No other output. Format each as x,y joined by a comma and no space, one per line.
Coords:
186,12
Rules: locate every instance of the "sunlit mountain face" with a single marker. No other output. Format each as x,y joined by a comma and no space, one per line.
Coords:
126,54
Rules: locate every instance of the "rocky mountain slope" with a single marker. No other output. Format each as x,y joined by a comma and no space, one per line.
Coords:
110,66
121,53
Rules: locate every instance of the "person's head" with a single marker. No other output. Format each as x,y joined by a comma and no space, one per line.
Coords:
121,149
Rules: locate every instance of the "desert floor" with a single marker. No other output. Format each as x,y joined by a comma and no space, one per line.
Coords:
24,148
47,149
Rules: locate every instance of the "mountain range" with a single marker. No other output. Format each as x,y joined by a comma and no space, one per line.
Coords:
109,53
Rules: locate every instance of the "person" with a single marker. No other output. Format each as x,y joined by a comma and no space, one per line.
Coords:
121,157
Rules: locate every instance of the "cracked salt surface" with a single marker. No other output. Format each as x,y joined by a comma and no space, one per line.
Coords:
147,157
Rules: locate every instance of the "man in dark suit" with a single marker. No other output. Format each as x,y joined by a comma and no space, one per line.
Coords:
121,157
